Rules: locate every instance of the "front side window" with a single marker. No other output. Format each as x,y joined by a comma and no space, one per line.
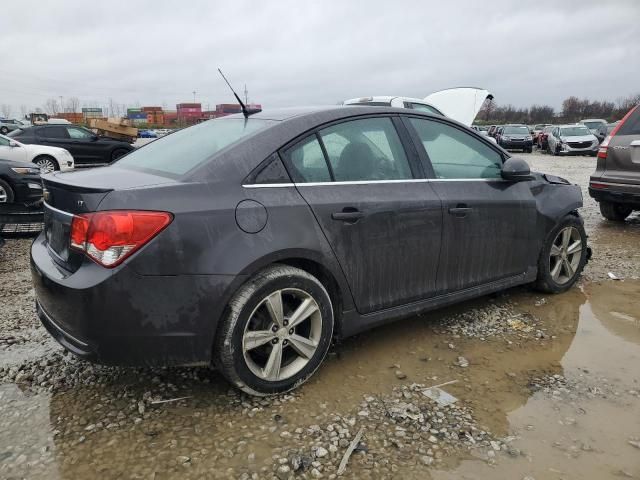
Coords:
4,142
456,154
365,150
79,133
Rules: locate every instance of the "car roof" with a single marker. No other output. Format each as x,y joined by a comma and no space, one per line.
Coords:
288,125
567,125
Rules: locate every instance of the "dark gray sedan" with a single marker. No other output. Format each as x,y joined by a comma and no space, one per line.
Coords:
252,244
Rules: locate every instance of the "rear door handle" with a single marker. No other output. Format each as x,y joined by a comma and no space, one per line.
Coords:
460,210
348,215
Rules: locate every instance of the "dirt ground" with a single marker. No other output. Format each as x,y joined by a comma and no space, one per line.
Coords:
547,387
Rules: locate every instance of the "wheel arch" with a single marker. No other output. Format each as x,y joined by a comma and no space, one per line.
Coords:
311,262
46,155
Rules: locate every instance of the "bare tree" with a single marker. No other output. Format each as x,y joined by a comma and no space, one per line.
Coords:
73,104
5,109
51,106
24,110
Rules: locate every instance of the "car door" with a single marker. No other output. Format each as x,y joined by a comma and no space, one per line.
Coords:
84,142
489,224
376,210
17,152
56,136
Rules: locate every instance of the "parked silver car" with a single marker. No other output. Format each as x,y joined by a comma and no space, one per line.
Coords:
8,125
572,140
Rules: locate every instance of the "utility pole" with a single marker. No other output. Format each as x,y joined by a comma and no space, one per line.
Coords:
246,95
61,105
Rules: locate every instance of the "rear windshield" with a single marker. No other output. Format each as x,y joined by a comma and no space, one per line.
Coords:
631,126
512,130
574,131
185,149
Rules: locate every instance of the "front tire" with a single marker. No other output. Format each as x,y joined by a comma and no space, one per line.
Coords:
276,333
46,163
121,152
6,193
4,130
616,212
563,256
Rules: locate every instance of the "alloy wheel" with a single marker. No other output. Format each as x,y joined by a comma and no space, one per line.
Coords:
4,195
46,165
282,334
565,254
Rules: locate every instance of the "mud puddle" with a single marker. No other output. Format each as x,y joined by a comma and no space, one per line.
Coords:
578,427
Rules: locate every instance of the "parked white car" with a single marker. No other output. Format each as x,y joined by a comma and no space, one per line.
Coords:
47,158
461,104
572,140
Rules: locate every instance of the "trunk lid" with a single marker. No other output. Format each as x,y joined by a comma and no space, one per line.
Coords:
461,104
69,194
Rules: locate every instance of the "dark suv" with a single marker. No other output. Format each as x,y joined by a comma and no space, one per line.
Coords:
87,148
516,137
616,182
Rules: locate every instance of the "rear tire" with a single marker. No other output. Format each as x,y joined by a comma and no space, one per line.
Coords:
563,256
6,193
616,212
4,130
252,334
121,152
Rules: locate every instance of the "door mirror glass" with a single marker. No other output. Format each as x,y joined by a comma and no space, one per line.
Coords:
516,170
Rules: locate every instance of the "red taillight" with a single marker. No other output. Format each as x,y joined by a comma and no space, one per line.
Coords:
604,146
597,186
110,237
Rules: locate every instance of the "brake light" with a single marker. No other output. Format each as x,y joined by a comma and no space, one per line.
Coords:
597,186
108,238
604,146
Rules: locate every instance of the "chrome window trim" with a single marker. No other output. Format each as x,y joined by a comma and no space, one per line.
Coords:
370,182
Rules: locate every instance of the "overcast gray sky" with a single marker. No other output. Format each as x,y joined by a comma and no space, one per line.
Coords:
316,52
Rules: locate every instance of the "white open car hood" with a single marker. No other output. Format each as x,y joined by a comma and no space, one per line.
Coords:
461,104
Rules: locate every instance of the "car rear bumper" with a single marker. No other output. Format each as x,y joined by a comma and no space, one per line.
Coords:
616,193
117,317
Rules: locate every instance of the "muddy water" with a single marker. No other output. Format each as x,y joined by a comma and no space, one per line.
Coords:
592,338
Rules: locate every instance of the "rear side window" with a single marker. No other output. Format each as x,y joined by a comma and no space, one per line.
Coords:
185,149
632,125
307,162
55,132
365,150
456,154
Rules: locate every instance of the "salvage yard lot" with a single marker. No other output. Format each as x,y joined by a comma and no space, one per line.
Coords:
547,387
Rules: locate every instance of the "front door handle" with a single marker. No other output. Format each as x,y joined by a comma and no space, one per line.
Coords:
349,215
461,210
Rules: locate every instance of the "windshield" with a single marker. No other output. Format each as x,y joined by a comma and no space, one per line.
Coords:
574,131
592,125
516,130
185,149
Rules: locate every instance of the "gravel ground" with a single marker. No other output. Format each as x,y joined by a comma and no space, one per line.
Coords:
61,417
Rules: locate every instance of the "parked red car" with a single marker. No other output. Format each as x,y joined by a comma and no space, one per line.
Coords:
542,137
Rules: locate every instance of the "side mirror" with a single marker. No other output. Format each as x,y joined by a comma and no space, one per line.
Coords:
94,138
516,170
13,144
